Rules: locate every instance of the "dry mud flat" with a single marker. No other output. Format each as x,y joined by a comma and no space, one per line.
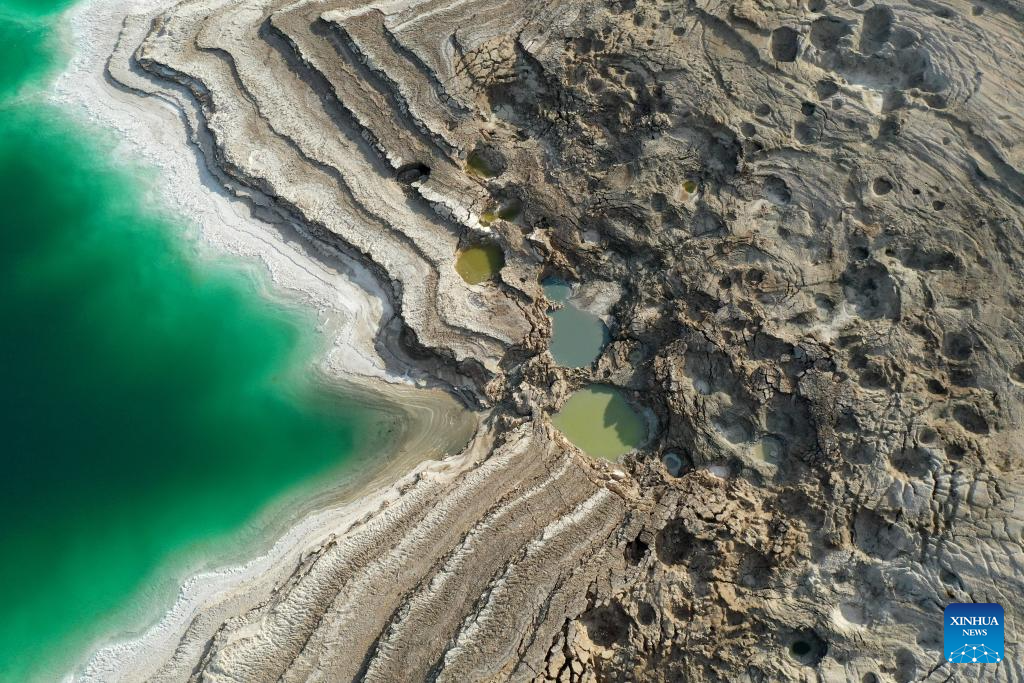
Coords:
814,212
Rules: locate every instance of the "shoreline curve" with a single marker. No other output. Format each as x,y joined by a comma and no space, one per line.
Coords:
350,309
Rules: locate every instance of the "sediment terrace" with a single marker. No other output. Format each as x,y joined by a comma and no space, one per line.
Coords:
807,223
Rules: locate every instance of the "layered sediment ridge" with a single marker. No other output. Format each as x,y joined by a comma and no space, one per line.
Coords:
276,128
805,225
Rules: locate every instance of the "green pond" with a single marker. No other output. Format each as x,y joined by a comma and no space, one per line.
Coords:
577,336
507,211
155,409
600,422
478,165
479,263
510,210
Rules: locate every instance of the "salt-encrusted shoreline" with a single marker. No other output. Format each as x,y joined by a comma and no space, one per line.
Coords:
350,304
350,308
214,596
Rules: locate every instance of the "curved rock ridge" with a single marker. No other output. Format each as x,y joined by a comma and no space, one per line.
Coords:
804,223
276,128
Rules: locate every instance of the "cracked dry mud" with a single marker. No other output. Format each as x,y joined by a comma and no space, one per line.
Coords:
813,214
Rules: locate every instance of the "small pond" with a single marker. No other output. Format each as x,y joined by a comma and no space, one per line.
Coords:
577,335
482,165
479,263
600,422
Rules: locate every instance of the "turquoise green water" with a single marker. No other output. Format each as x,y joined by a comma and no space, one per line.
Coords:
577,336
600,422
150,406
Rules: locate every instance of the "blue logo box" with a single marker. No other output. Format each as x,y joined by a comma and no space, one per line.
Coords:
973,633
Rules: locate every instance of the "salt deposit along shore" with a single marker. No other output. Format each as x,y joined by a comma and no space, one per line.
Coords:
350,305
802,225
350,310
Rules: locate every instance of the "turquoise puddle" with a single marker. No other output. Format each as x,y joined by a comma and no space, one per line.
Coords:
577,336
152,407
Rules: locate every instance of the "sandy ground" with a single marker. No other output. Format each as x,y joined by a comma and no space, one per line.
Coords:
349,306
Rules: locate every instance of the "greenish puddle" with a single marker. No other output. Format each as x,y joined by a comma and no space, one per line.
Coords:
479,263
506,211
510,210
600,422
687,190
577,336
478,165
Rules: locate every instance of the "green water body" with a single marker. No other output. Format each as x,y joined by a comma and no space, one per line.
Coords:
152,408
600,422
577,336
479,263
478,165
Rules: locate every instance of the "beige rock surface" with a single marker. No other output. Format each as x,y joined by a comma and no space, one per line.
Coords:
815,213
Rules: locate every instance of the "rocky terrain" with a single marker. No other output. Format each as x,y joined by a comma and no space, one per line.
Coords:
814,213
